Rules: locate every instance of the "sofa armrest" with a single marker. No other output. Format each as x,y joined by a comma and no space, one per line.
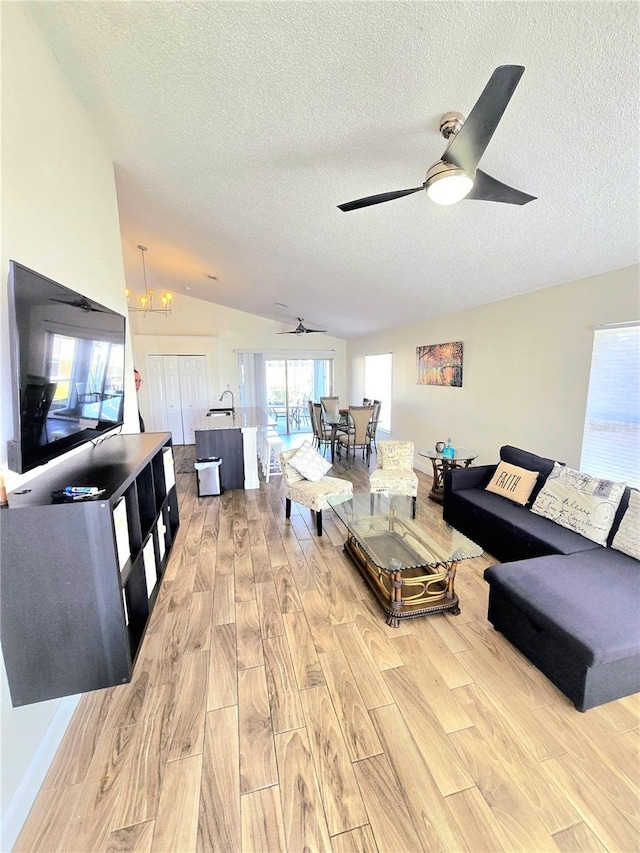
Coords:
456,479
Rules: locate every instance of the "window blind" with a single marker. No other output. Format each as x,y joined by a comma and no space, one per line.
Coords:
611,439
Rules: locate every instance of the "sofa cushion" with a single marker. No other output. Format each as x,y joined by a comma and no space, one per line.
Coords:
579,502
590,600
512,482
316,496
530,461
627,537
497,520
308,462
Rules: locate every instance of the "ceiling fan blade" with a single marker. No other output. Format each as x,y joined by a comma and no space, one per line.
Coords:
84,304
377,199
486,188
301,331
468,145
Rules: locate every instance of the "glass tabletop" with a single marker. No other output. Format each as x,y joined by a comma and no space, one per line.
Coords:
459,453
383,527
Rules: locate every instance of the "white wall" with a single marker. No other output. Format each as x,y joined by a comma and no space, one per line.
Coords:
219,332
59,217
525,371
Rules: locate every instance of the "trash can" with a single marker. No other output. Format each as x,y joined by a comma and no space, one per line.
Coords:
208,469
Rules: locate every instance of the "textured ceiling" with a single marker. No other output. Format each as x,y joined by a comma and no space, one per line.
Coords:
236,129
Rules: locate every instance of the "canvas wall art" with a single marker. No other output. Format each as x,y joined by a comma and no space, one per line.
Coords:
440,364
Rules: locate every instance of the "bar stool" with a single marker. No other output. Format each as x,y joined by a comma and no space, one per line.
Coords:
270,458
262,434
263,447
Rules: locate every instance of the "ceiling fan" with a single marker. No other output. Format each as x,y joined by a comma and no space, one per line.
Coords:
456,176
301,329
82,303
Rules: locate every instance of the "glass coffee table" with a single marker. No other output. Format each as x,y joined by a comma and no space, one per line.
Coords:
410,564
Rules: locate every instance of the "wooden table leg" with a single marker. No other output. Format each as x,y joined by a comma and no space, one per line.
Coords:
334,432
396,596
437,487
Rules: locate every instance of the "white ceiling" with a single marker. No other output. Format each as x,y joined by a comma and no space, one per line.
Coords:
237,128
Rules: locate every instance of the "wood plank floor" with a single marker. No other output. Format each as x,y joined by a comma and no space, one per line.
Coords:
272,709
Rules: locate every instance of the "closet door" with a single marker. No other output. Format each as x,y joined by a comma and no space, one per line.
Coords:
194,392
157,397
178,394
173,399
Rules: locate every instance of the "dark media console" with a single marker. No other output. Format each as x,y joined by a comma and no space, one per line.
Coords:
78,579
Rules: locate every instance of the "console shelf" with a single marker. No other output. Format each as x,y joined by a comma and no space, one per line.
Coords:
78,579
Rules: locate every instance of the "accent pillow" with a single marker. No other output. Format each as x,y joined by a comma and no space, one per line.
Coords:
513,483
308,462
579,502
530,461
627,539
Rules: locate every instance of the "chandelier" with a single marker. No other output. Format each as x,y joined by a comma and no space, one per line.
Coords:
145,302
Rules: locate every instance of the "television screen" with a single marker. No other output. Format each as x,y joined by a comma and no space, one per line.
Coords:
67,365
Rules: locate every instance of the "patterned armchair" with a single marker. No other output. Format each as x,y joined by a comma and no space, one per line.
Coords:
307,493
394,474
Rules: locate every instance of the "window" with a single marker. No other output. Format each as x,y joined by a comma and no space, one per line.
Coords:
611,440
290,384
377,384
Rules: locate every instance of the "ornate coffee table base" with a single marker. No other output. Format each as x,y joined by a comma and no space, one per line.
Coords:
407,593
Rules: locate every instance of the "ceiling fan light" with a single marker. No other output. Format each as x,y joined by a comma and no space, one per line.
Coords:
447,184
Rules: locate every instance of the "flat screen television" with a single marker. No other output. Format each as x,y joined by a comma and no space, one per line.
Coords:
67,368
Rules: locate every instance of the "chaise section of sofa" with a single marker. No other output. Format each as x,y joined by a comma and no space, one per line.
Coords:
576,617
569,604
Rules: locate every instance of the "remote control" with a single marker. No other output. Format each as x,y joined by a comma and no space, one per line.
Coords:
81,490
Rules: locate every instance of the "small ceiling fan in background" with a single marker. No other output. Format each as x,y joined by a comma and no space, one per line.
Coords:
301,329
81,303
456,176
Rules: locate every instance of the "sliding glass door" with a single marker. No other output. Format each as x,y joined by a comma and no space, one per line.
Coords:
290,384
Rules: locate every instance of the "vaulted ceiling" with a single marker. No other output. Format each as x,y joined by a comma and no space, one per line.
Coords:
236,128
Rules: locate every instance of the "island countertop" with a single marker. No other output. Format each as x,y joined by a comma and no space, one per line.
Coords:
240,419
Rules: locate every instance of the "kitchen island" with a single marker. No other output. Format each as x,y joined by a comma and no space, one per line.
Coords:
232,436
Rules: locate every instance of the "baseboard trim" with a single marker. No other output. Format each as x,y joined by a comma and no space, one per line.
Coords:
424,468
20,804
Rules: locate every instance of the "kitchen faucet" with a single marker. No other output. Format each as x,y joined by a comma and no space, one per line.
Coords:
233,405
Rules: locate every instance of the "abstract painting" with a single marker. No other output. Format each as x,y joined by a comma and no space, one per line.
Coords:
440,364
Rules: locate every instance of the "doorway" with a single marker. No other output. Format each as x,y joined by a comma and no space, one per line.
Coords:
290,384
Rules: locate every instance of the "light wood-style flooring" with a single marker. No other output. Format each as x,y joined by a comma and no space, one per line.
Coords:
272,709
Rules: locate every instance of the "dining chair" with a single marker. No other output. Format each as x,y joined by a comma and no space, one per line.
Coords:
373,423
331,407
357,433
321,432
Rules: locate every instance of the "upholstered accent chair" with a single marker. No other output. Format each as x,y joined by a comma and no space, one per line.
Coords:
313,495
394,474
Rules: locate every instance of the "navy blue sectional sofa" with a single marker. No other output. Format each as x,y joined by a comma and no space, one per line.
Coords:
570,605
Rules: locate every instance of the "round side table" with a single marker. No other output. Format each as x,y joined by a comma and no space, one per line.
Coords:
462,458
